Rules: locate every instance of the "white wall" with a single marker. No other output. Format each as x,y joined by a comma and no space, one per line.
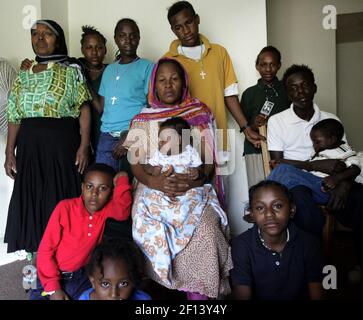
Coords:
239,25
16,42
56,10
295,27
15,39
15,46
6,187
350,90
243,16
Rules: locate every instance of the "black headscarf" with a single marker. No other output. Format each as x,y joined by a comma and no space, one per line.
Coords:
60,54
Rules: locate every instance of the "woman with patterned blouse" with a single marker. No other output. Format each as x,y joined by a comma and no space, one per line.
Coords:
48,136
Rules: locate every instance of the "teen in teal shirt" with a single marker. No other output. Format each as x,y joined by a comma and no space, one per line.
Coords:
122,95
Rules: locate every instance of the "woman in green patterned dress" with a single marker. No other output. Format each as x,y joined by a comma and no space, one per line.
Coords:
48,136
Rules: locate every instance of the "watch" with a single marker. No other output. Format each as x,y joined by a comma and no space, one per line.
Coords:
243,128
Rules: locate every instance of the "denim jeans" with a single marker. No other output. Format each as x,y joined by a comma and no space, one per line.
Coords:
73,287
292,177
106,144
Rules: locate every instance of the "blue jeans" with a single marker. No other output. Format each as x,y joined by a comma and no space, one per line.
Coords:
106,144
292,177
73,286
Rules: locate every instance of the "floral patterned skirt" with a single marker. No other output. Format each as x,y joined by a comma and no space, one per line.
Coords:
203,265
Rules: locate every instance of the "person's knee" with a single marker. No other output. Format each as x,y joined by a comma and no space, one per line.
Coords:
280,172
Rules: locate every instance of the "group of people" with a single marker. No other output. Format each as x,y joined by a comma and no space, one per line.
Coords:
155,124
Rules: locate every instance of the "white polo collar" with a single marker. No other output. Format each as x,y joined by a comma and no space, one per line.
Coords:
293,118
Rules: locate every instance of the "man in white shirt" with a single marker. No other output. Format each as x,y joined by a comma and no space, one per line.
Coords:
288,138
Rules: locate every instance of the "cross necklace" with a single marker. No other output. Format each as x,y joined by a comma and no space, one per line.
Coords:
202,73
114,99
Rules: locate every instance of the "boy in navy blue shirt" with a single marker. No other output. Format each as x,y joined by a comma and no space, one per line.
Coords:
275,260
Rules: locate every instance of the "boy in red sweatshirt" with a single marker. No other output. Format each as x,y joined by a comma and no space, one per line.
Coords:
75,228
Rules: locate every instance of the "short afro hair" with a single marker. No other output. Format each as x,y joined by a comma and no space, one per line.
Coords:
330,128
177,123
100,167
179,6
296,68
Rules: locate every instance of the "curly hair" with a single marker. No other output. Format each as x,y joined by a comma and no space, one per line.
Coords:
118,250
298,68
90,30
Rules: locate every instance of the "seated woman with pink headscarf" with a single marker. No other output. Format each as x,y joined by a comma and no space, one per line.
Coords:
202,264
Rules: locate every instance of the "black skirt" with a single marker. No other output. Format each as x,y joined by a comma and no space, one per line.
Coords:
46,173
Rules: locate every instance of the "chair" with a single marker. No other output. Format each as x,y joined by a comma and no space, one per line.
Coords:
327,230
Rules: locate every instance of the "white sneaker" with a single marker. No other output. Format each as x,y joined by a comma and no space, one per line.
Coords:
355,275
21,254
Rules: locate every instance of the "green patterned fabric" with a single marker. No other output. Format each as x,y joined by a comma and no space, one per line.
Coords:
57,92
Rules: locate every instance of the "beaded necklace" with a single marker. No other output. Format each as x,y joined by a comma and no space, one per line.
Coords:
267,246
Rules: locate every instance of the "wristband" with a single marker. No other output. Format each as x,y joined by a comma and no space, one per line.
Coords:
243,128
47,293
